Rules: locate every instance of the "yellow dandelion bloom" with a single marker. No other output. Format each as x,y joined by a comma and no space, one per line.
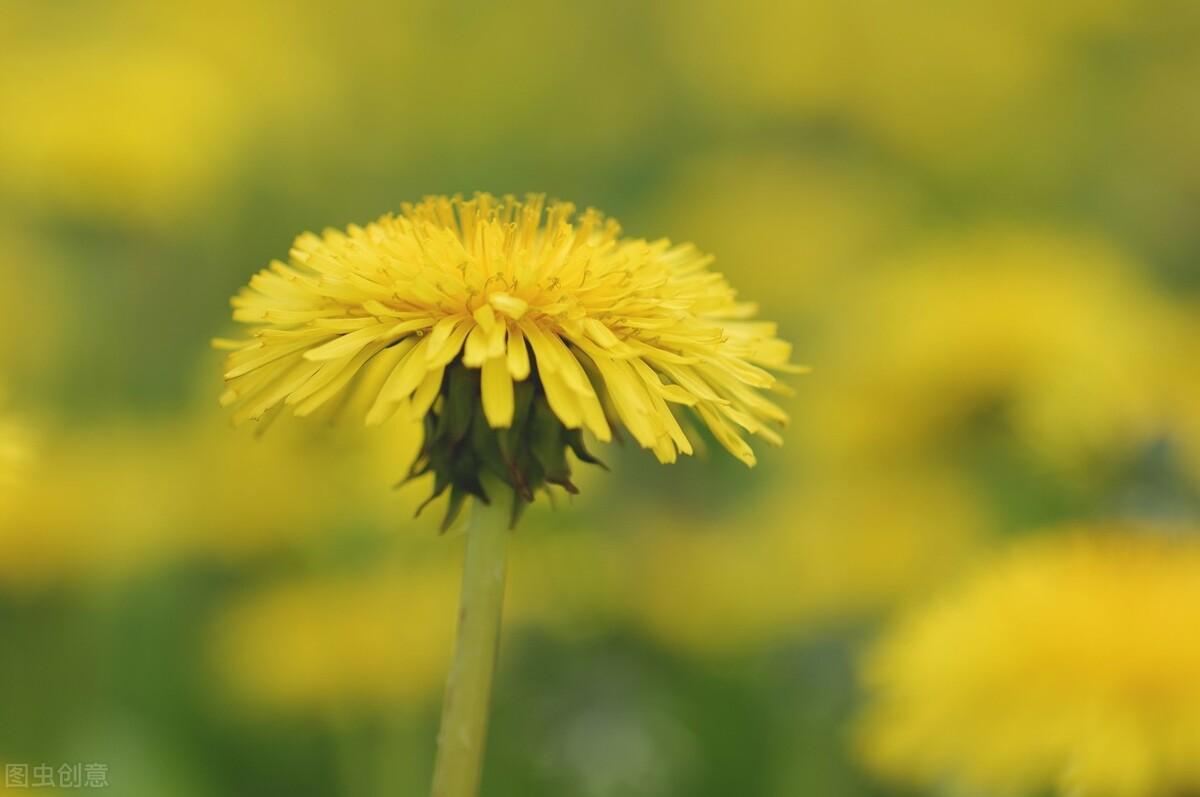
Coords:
538,322
1057,339
1070,664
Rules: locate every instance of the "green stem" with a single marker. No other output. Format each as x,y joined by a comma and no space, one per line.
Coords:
469,685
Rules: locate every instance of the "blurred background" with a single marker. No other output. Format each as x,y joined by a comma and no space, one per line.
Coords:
976,221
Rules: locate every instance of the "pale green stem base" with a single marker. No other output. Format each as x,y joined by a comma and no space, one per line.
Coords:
469,685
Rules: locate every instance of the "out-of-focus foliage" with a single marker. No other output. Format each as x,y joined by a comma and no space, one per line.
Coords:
976,221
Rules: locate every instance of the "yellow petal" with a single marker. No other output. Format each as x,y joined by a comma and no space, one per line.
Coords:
441,333
255,356
497,389
727,436
546,360
404,379
273,394
563,401
600,334
476,350
518,355
337,384
496,338
426,393
628,396
350,343
485,317
374,374
511,306
450,346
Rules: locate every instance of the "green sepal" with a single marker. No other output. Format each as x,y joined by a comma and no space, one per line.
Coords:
575,441
460,394
460,447
548,438
457,499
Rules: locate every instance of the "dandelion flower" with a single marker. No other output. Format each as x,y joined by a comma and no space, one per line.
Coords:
1069,665
508,329
498,314
1058,339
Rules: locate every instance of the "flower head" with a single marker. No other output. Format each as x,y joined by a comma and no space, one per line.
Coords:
509,327
1070,664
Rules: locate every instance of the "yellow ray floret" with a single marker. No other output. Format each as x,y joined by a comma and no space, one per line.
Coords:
613,329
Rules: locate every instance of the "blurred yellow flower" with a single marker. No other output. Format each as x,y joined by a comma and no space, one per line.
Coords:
1055,337
90,135
1069,664
834,549
330,644
942,80
137,111
149,495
